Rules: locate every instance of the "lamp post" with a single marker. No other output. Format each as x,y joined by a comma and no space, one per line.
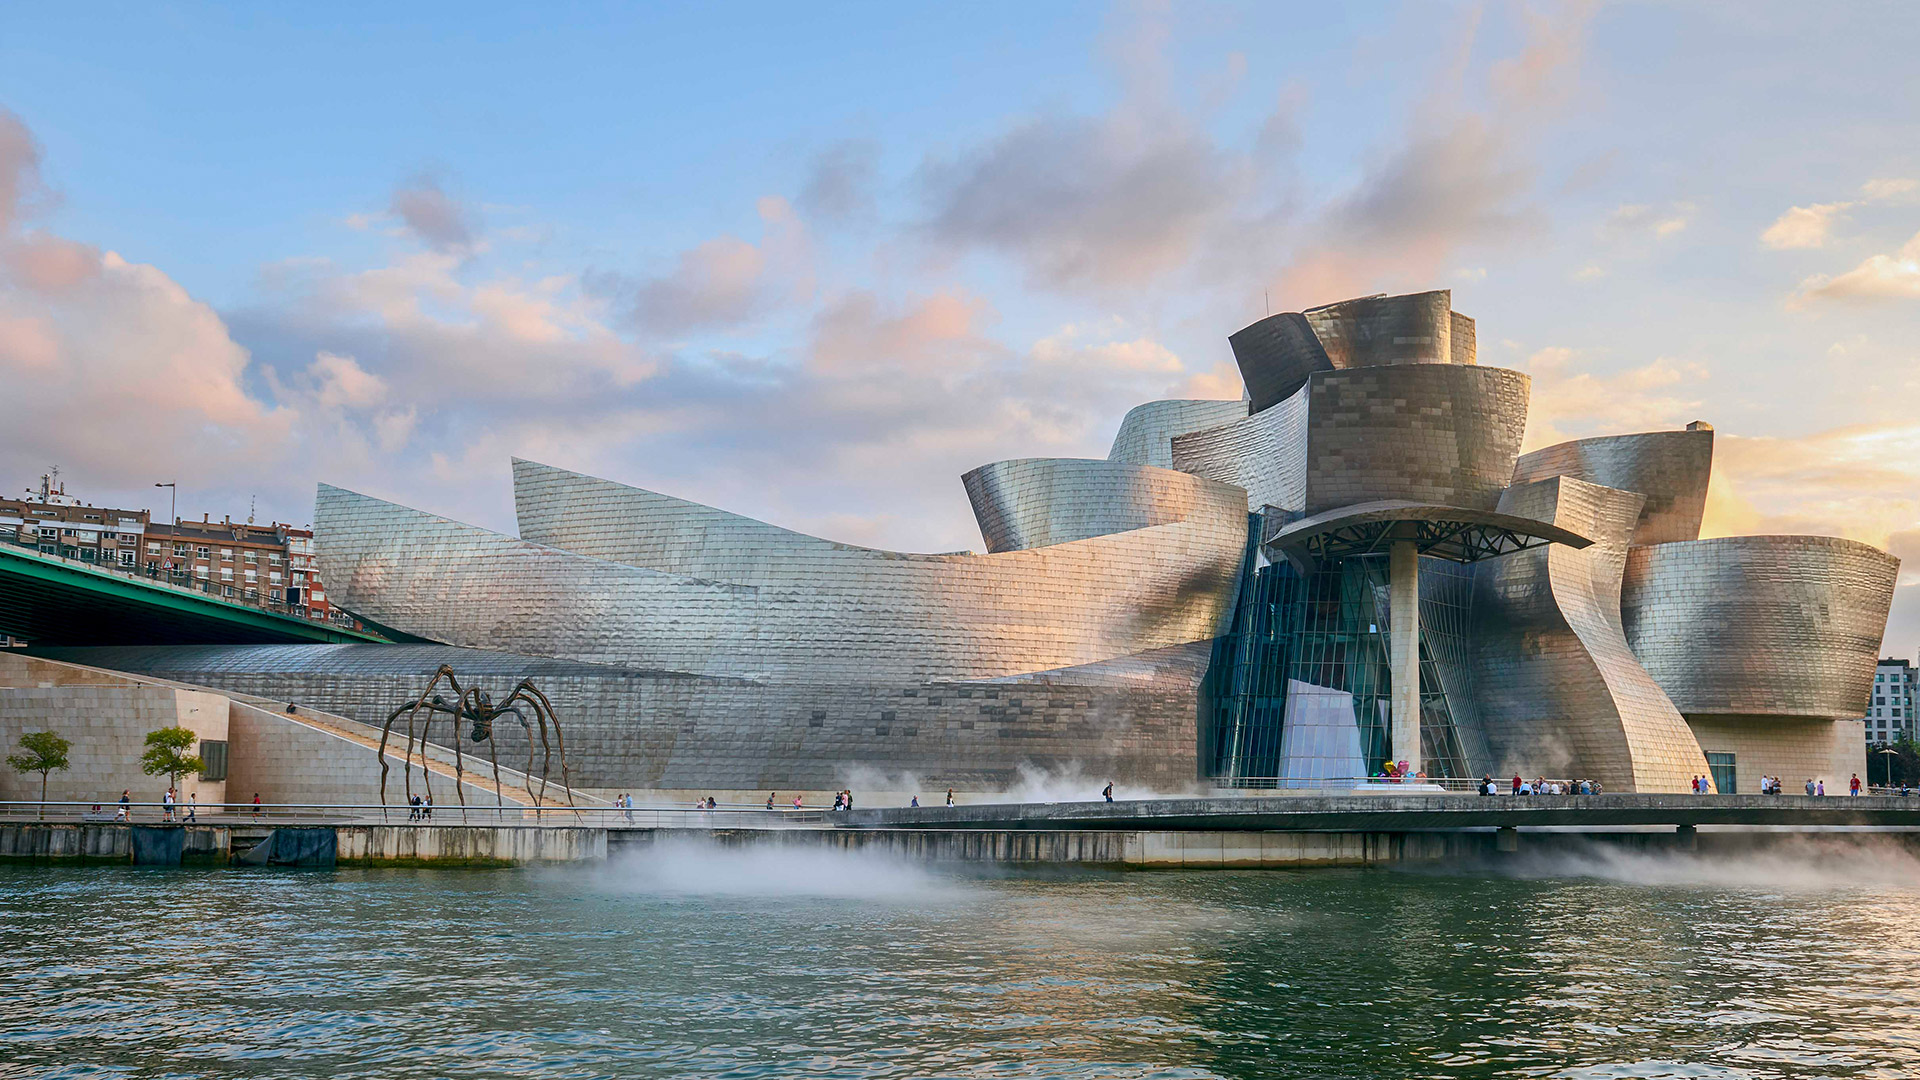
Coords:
173,503
1887,761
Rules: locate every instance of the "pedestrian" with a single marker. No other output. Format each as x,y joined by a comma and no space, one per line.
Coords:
256,806
126,804
1853,785
166,805
838,801
949,796
849,794
627,804
1823,788
796,802
193,805
1107,792
426,807
770,796
1516,783
1809,785
413,808
915,801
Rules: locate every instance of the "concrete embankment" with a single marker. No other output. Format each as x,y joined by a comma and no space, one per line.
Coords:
1088,847
343,845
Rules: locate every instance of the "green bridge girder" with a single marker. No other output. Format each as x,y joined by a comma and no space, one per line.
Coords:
46,600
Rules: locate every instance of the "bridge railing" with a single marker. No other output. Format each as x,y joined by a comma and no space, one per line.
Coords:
290,814
1389,785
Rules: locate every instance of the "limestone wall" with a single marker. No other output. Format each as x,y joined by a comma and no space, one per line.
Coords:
1793,750
107,719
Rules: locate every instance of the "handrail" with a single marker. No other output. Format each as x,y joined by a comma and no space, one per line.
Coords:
266,814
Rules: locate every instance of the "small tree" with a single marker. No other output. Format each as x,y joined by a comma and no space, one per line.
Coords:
167,754
45,753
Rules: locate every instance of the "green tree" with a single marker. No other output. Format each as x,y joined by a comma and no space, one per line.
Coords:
45,753
167,754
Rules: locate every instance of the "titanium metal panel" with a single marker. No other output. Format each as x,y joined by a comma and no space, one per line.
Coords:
1785,626
1146,435
1670,468
1131,719
1373,331
1445,434
1560,693
1038,502
1266,454
810,615
1275,356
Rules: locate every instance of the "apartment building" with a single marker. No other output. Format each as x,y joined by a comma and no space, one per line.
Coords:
243,561
1896,684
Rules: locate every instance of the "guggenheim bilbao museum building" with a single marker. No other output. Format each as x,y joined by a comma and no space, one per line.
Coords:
1353,565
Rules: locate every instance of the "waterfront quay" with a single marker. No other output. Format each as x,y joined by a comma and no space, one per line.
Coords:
1234,832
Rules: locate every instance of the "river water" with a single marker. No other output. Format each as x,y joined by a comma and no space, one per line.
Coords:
704,963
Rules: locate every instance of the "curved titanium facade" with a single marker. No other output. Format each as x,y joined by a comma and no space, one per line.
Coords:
1559,691
1670,468
1417,328
1131,719
1446,434
1146,435
1275,356
1039,502
807,615
1782,626
1265,454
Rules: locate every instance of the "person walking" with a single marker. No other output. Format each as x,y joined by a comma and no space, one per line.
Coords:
193,805
1822,792
256,806
770,796
1853,785
915,801
949,796
796,802
426,807
126,804
1809,785
1107,792
166,805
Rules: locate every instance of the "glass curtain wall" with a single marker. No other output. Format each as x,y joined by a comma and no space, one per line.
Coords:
1297,693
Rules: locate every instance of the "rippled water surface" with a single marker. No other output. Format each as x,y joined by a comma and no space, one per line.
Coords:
696,963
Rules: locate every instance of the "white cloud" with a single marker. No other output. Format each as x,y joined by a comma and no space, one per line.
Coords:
1878,278
1803,226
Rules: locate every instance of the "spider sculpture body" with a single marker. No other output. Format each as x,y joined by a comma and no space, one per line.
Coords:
480,711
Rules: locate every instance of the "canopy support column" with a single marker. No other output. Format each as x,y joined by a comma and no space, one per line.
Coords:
1403,649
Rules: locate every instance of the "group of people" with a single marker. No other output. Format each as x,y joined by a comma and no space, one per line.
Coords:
1702,785
419,808
1540,786
843,800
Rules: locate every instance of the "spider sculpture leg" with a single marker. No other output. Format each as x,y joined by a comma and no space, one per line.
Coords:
386,731
544,709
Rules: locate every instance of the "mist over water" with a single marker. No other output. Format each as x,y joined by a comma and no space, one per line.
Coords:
699,961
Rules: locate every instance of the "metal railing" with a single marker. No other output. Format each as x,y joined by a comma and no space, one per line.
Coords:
268,815
1390,785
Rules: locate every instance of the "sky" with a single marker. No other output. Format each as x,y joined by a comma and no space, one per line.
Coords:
810,263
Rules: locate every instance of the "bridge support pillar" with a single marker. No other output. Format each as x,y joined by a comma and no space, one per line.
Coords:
1686,838
1507,840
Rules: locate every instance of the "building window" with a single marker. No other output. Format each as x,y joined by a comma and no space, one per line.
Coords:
203,553
1720,764
251,556
274,594
126,558
213,754
253,575
226,554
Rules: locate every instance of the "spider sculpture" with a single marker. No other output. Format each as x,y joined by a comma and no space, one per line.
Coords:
478,708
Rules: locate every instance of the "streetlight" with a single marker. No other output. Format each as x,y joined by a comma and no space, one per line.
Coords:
173,499
1889,764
